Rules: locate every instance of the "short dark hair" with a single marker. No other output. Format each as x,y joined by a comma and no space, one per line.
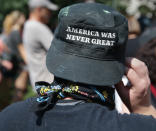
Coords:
147,54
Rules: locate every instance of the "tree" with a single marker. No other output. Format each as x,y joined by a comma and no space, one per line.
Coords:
6,6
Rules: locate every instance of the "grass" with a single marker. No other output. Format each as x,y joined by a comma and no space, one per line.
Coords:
29,93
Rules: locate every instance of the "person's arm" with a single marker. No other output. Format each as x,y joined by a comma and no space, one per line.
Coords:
137,95
0,76
4,64
22,52
17,39
45,37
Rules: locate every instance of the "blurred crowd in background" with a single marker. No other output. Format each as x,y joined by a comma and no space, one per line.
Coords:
24,43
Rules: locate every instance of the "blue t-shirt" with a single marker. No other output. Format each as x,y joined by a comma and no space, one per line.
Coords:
71,115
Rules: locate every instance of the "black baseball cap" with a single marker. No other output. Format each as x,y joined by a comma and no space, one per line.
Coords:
42,3
89,45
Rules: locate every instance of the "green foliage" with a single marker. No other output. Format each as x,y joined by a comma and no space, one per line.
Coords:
144,9
63,3
106,2
12,4
6,6
29,93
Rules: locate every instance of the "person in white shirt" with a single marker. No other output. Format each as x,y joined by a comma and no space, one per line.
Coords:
37,38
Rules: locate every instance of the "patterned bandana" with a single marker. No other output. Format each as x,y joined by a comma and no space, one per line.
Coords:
49,94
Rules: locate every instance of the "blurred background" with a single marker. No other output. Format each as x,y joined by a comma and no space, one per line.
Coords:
138,8
141,15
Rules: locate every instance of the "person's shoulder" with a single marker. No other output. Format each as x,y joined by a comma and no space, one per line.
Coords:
18,109
16,116
137,122
14,34
32,24
104,118
32,27
97,112
98,117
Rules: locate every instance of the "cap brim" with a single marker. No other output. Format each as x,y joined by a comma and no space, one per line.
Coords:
83,70
52,6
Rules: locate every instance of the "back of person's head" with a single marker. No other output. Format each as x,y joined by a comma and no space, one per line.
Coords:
33,4
15,16
40,10
10,20
147,53
7,24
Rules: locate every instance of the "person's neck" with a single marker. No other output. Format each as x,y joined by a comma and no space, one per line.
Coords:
16,27
132,36
68,98
35,18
